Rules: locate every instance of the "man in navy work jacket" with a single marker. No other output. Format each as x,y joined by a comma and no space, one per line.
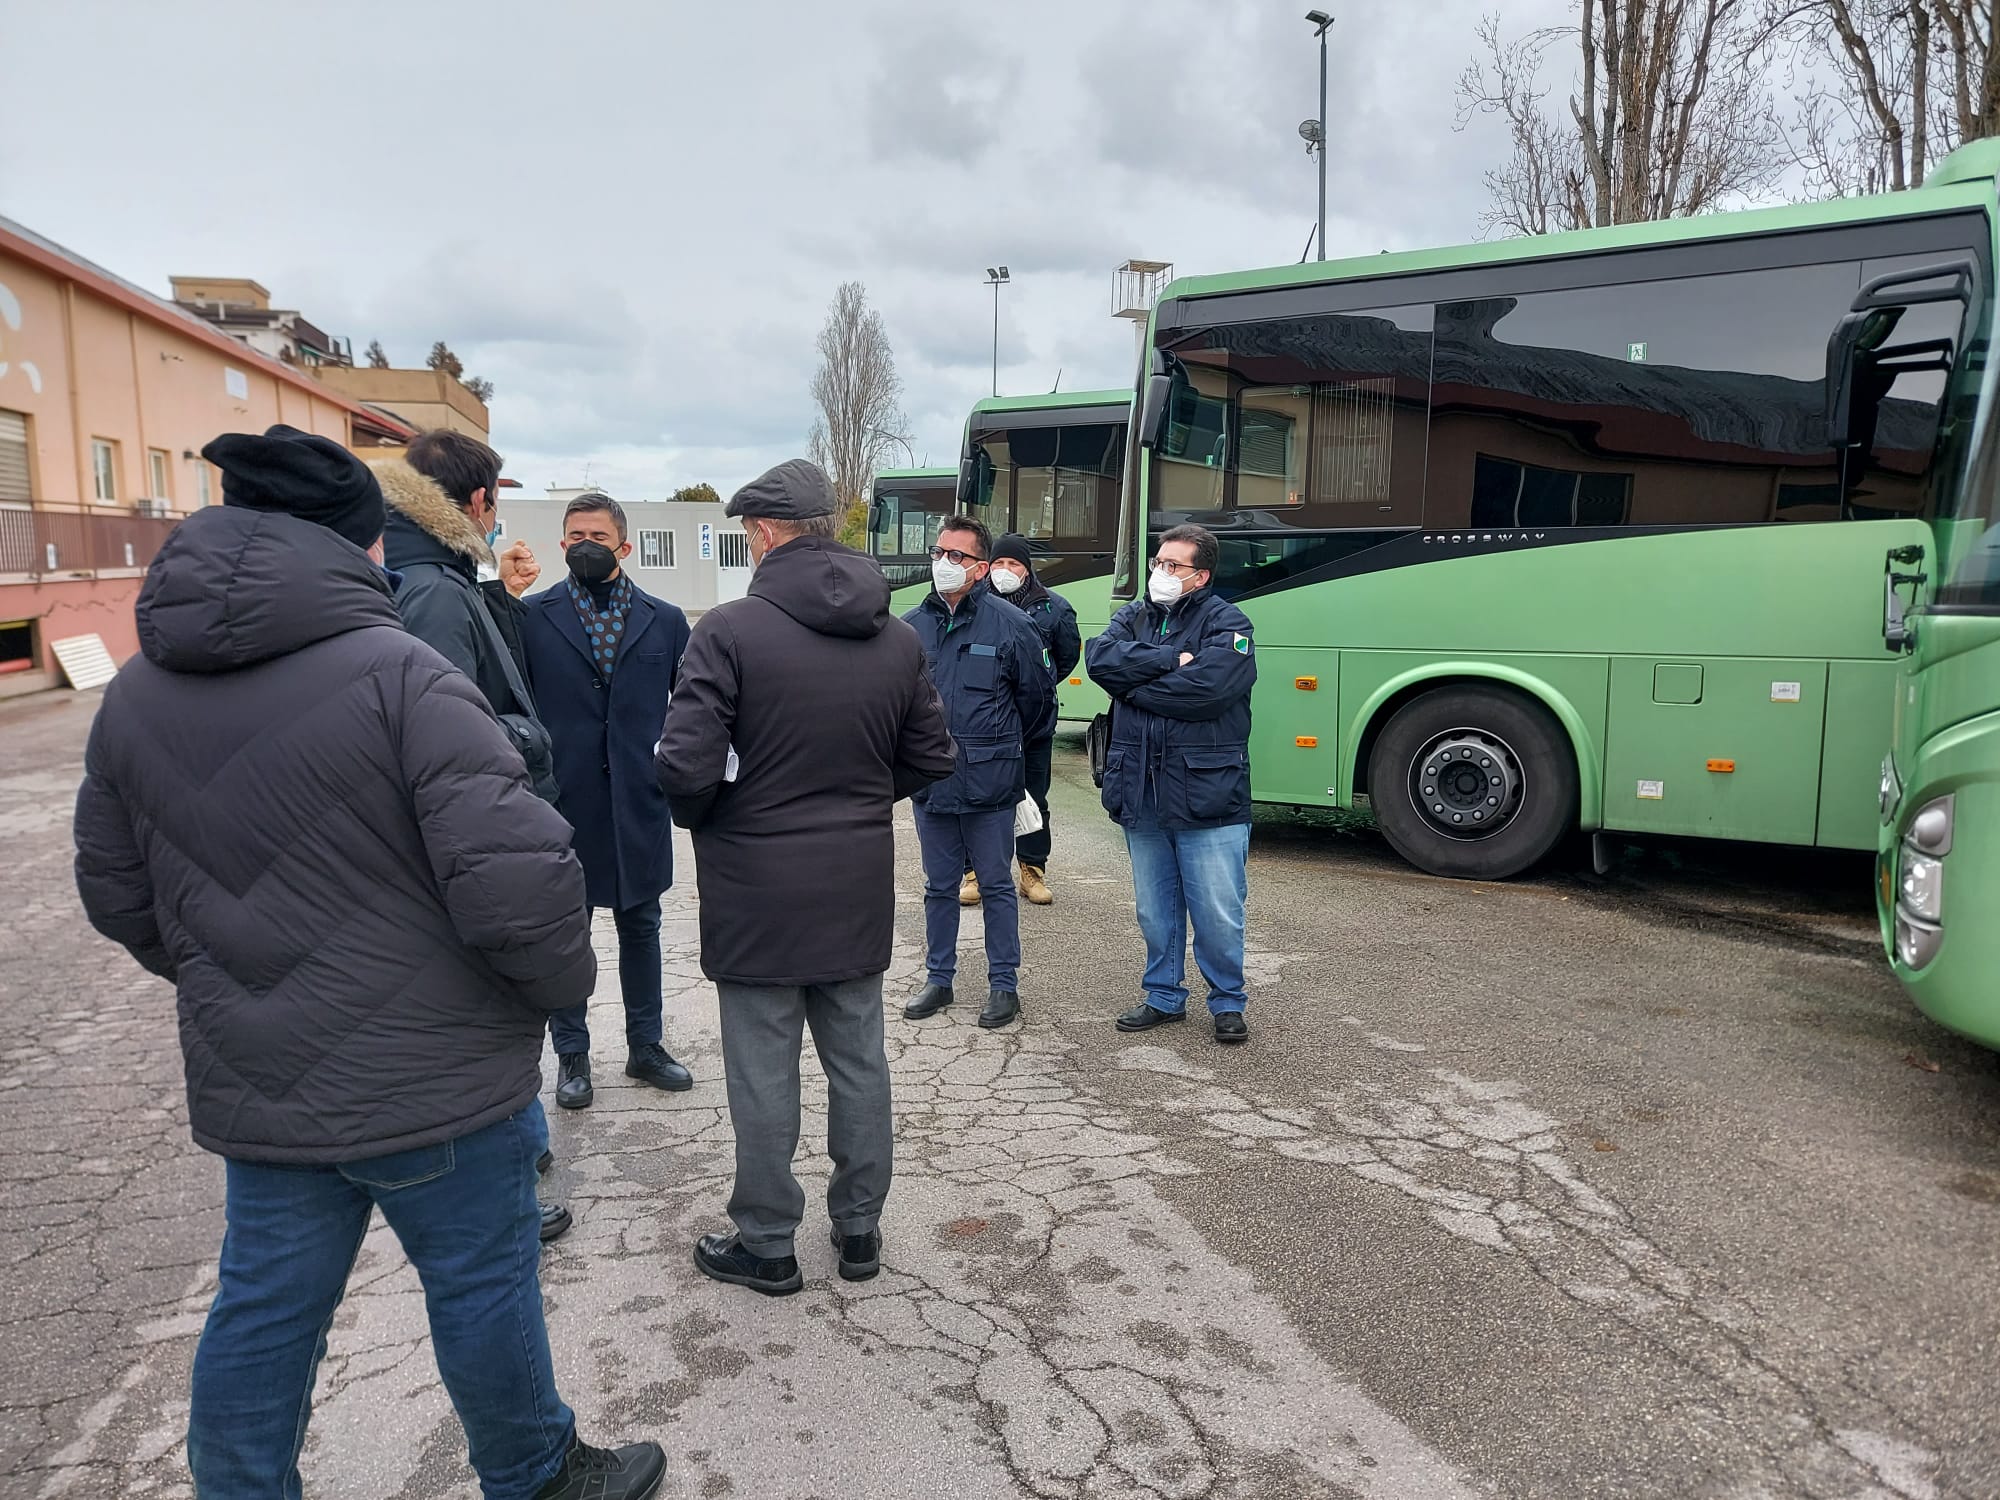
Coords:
993,676
1013,578
603,653
1179,666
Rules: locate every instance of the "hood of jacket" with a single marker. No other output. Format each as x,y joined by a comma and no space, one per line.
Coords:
424,526
828,588
231,588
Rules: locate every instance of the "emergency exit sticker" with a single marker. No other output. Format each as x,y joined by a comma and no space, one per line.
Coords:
1652,791
1784,692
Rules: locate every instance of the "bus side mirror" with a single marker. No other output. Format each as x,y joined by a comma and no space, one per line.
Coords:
1153,415
1855,337
966,482
874,516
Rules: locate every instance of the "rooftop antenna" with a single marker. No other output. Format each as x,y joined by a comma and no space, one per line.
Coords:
1058,385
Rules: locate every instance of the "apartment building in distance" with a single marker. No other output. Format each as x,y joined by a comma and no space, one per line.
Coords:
107,396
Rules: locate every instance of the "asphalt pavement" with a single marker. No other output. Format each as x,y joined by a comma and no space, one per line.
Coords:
1643,1185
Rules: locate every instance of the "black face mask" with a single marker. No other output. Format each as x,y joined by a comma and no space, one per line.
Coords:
591,562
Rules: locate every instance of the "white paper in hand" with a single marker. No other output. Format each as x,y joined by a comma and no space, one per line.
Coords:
1027,817
730,765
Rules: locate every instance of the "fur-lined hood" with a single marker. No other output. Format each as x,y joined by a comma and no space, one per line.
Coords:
423,503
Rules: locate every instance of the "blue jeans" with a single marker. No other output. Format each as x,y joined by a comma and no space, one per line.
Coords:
465,1213
982,842
638,980
1199,875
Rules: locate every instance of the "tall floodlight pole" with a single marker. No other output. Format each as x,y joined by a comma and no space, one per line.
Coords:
1322,21
996,279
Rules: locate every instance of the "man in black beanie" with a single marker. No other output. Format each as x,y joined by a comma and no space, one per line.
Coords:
1013,578
310,824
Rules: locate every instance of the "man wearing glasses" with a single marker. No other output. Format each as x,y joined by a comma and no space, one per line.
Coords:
992,675
1179,666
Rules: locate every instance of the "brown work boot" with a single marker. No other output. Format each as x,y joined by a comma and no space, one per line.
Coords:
1035,885
968,890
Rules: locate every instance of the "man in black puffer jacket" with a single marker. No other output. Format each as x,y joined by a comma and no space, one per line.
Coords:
311,824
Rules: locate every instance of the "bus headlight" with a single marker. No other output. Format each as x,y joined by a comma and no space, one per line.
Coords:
1920,881
1923,886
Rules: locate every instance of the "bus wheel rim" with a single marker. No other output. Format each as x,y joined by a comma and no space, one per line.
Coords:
1467,783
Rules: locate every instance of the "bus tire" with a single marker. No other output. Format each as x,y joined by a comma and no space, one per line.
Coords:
1473,782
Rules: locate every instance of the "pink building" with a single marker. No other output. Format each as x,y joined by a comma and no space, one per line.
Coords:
107,395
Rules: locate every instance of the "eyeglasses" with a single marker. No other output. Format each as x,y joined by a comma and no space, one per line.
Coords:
1168,565
938,554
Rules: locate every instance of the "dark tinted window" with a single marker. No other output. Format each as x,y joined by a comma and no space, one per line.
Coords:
906,519
1066,484
1315,423
1252,563
1695,401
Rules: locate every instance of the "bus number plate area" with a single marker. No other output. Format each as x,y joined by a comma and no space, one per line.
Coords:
1740,761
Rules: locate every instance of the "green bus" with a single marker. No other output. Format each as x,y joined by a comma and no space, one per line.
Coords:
1938,861
1554,534
1047,467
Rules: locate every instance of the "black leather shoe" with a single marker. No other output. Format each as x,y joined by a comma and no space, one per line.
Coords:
1002,1006
633,1472
543,1162
573,1090
555,1219
654,1064
1143,1017
723,1257
1230,1027
931,999
860,1254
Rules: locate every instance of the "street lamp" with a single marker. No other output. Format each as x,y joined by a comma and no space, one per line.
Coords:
1321,21
996,280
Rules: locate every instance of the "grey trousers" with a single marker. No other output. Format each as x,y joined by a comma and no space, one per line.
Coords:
762,1033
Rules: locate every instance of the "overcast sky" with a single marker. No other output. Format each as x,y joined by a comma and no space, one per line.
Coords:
631,216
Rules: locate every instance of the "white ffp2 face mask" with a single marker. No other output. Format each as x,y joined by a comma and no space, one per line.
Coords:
1163,587
1006,580
948,576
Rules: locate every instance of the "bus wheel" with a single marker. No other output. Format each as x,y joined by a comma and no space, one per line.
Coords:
1477,783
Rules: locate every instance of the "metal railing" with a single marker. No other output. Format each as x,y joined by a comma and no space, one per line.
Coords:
58,543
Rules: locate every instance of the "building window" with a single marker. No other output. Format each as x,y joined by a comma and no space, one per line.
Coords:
656,549
202,491
104,466
15,483
159,467
732,549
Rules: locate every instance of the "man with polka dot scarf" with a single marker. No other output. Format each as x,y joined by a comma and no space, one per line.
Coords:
603,654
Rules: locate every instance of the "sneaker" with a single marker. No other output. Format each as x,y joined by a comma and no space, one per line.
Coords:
654,1064
723,1257
968,890
633,1472
573,1090
860,1254
1035,886
555,1220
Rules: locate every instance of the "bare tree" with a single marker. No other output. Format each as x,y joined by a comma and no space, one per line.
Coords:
857,391
1666,116
441,358
377,360
1887,86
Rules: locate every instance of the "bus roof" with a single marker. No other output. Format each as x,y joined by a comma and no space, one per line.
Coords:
1053,401
1964,179
906,474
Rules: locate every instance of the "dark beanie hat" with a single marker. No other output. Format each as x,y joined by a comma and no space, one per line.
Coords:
300,474
1014,545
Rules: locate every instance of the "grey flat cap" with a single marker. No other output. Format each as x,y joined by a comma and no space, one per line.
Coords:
794,491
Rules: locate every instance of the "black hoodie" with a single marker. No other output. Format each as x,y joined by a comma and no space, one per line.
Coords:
308,822
827,702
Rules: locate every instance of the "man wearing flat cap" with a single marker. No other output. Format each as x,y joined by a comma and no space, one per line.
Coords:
802,712
309,822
